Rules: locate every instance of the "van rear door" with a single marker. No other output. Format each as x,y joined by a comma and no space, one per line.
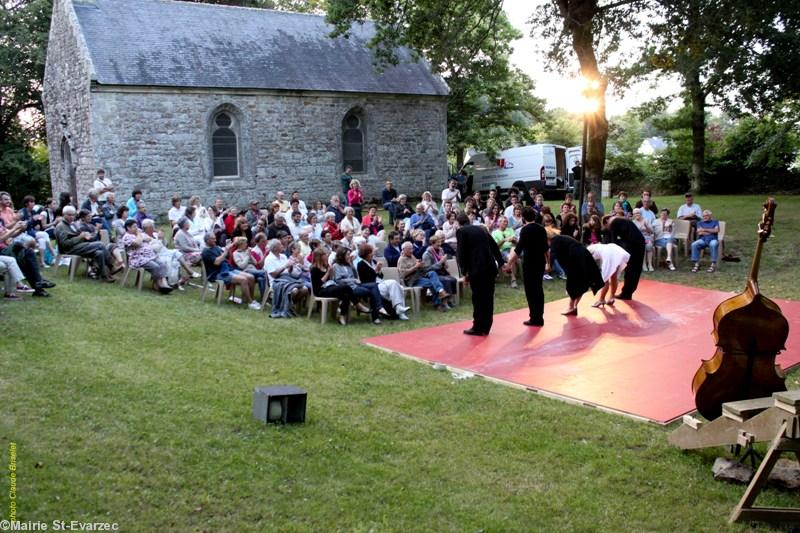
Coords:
561,165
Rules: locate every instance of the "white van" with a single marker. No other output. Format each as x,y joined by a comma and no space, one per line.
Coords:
543,166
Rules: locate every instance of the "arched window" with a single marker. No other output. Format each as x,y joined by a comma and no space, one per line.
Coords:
224,145
353,142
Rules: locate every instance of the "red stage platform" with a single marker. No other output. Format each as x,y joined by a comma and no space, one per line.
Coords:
636,358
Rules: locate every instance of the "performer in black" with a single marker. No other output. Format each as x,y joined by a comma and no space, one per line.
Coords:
533,248
579,265
479,258
624,232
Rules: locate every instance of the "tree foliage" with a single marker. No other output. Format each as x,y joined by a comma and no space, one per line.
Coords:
467,42
741,55
593,32
24,26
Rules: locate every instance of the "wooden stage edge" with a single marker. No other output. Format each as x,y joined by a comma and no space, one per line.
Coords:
541,392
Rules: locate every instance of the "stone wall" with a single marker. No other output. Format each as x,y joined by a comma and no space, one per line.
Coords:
158,140
66,101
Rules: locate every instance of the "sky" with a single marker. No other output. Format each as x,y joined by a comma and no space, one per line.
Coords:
561,90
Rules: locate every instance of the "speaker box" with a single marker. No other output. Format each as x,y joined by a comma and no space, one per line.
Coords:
283,404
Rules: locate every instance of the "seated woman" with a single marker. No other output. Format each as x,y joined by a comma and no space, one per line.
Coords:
435,260
374,223
580,267
118,225
350,222
429,204
325,287
345,275
185,243
569,224
506,239
515,220
218,268
172,259
140,255
662,230
315,225
647,230
244,261
241,228
370,272
331,226
612,260
288,286
450,227
593,231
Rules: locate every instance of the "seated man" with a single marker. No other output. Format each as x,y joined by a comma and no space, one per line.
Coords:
413,273
336,208
506,239
393,251
422,220
72,241
285,278
707,233
389,200
95,209
662,228
218,268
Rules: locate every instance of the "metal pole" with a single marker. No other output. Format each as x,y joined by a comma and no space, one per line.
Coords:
582,186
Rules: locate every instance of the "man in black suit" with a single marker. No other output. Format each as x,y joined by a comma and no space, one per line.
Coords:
533,248
623,232
479,258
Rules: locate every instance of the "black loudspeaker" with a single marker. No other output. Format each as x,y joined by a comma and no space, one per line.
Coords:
283,404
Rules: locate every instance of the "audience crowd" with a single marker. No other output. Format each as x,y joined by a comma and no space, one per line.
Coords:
288,250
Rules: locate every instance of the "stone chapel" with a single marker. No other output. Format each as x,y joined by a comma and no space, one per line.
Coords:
187,98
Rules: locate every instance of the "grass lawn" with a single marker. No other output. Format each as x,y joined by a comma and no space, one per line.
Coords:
135,408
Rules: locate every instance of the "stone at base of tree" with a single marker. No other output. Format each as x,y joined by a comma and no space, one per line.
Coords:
785,474
727,470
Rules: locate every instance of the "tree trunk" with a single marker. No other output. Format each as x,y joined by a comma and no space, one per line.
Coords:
459,158
698,97
578,15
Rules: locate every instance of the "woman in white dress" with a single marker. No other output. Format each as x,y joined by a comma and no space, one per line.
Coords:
612,260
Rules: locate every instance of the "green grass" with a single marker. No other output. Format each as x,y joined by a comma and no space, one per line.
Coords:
137,408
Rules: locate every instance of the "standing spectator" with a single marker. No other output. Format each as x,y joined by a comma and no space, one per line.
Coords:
355,198
707,237
345,180
389,200
103,186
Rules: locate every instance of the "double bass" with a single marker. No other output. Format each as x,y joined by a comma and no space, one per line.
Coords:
749,332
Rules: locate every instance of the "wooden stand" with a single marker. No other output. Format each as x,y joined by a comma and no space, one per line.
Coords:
775,419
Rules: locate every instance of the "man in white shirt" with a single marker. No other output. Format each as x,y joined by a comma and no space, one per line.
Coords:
690,210
514,201
103,186
276,261
451,193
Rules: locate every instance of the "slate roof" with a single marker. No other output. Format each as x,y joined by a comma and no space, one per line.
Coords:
183,44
